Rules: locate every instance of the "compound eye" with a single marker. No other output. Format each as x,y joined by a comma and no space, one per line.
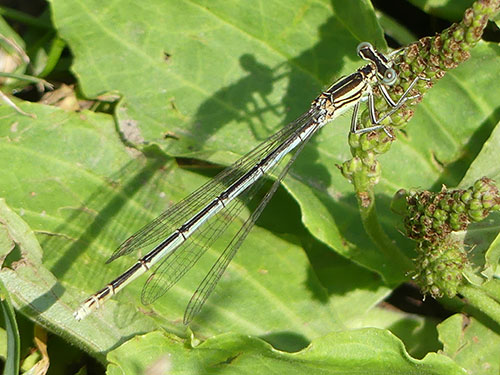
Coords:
390,77
362,46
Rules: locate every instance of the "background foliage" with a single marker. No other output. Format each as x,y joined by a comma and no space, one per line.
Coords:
166,91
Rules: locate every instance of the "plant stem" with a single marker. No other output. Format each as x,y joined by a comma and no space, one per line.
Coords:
23,18
374,230
28,78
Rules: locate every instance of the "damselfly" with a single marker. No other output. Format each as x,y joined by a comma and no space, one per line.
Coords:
181,234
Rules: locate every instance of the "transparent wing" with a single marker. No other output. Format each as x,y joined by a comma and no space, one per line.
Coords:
177,263
175,216
210,281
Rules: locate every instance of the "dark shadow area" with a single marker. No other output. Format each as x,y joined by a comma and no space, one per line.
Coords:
417,21
336,274
407,298
237,102
12,257
71,359
454,172
34,8
290,342
282,215
45,301
419,337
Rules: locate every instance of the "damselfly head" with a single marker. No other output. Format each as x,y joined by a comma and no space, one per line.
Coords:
385,73
366,51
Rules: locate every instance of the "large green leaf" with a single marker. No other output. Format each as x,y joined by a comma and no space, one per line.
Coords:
368,351
471,344
452,10
83,192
